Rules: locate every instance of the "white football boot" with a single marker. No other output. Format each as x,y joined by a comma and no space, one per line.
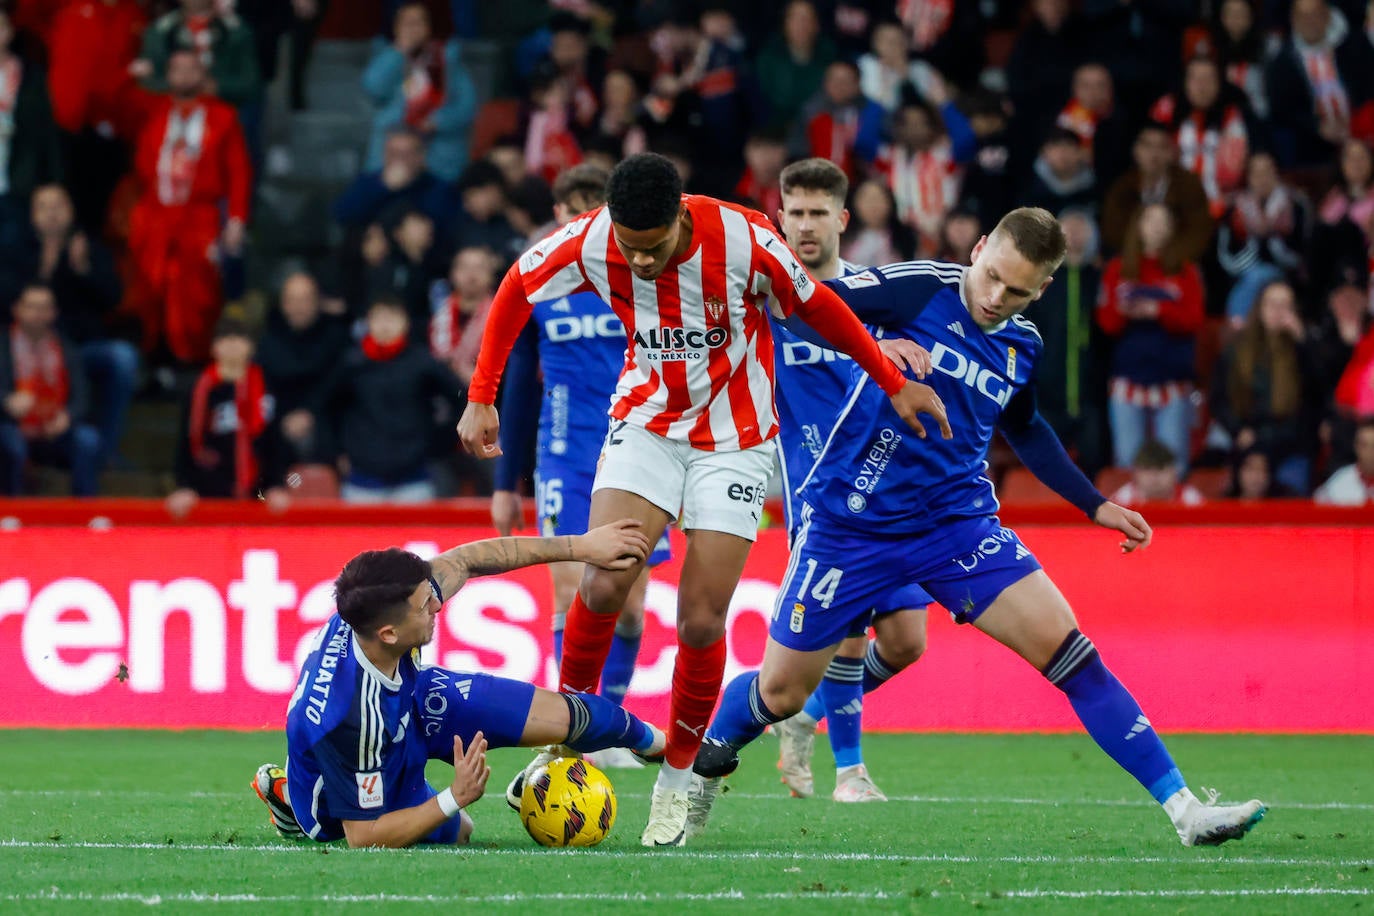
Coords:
796,741
1205,823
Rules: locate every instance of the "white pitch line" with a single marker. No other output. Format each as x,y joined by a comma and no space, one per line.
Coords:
683,897
707,855
752,796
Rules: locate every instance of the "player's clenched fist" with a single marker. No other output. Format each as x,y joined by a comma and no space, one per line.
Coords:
915,398
478,429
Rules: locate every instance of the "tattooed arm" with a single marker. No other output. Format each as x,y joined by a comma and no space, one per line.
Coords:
619,545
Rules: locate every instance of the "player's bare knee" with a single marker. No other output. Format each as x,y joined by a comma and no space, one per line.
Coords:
603,592
902,650
783,696
700,631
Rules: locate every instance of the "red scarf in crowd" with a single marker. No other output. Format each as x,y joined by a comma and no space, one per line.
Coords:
380,352
41,370
249,393
424,85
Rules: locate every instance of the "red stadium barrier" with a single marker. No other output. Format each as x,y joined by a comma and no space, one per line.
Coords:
1219,627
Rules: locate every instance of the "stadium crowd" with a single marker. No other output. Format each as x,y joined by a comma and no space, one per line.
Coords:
1212,164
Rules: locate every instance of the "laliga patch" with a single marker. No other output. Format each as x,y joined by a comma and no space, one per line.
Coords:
860,280
1011,363
369,789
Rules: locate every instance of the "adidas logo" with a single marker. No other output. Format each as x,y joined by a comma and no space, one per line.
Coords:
957,327
1141,726
852,708
562,305
464,687
1022,553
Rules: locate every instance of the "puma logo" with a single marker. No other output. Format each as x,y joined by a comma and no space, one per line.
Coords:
695,731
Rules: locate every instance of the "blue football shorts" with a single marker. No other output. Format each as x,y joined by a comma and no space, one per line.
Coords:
463,704
563,495
838,577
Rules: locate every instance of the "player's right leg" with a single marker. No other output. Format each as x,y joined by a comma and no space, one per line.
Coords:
1031,617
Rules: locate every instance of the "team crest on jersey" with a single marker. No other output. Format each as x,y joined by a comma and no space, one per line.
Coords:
715,307
369,789
1011,363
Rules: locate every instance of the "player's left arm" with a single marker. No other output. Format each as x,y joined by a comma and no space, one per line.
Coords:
1035,443
619,545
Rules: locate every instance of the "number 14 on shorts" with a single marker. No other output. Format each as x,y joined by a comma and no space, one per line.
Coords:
823,591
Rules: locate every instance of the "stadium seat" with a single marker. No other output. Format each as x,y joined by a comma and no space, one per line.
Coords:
1210,482
495,119
317,481
1021,486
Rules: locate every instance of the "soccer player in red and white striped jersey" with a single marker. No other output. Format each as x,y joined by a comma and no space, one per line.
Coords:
692,418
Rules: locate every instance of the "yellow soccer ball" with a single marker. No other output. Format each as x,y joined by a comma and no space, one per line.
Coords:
568,803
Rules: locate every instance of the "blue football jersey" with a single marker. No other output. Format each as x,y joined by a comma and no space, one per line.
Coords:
874,473
810,382
352,750
581,353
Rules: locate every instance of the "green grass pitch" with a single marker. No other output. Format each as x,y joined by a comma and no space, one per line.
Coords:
115,821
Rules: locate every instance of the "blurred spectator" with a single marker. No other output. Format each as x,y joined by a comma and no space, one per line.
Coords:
529,205
44,395
923,166
791,64
620,123
1210,130
1345,221
220,40
224,451
1093,116
1252,477
380,396
1157,178
1071,387
1355,390
403,267
1139,40
508,154
1338,332
404,182
727,92
947,34
1152,303
958,235
1259,396
299,348
840,124
1156,478
990,179
460,310
1262,236
1236,40
193,172
875,235
764,156
269,21
550,144
92,44
80,271
1352,485
1062,175
422,83
481,219
577,65
887,74
1042,63
29,152
1320,78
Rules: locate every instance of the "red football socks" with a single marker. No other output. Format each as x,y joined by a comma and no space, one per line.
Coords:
586,643
697,678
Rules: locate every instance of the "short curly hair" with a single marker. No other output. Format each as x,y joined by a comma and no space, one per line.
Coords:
644,192
373,588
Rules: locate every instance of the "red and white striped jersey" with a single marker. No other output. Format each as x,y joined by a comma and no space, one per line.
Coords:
699,360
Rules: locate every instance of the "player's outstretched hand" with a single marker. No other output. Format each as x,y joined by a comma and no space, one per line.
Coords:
470,770
915,398
506,511
907,354
1128,522
479,428
619,545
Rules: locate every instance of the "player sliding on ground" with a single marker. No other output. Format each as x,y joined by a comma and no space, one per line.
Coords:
576,346
883,510
812,382
693,418
366,716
